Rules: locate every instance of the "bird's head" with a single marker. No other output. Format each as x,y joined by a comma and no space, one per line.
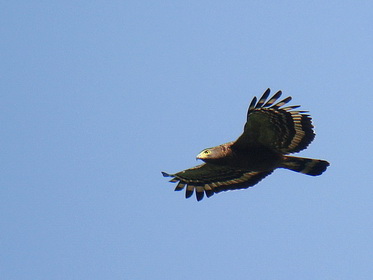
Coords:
210,154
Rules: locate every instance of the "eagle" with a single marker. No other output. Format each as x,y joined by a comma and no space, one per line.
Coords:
271,133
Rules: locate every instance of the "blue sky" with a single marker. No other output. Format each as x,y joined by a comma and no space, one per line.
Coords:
99,97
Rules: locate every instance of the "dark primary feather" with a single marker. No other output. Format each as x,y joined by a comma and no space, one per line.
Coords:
273,98
281,129
211,178
281,103
262,99
271,131
252,104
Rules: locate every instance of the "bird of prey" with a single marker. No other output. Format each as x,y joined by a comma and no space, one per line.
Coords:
271,133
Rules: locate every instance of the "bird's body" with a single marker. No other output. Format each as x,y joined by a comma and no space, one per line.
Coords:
255,158
270,133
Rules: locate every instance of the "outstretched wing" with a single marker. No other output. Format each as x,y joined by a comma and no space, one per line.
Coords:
210,178
284,130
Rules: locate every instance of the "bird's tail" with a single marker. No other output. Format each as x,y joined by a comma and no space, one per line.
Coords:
307,166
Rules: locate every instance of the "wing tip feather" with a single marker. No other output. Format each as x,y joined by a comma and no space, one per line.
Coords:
165,174
188,193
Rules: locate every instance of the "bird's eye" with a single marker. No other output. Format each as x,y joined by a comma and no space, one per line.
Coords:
206,152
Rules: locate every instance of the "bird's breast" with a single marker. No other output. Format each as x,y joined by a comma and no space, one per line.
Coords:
257,159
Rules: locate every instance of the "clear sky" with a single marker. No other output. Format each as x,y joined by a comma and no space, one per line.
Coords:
99,97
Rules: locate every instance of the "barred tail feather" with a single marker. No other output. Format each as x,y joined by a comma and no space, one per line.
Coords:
307,166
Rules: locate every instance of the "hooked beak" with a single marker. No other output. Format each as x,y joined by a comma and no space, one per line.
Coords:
199,156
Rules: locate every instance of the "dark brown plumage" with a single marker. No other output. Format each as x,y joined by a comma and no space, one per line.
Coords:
270,133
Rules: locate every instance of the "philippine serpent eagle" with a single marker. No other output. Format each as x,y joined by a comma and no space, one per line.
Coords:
271,133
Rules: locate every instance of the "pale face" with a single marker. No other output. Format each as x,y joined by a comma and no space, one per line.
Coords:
210,153
206,153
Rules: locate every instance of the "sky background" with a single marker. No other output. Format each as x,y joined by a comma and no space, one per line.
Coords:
99,97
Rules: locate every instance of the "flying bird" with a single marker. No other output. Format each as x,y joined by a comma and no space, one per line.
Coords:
271,133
